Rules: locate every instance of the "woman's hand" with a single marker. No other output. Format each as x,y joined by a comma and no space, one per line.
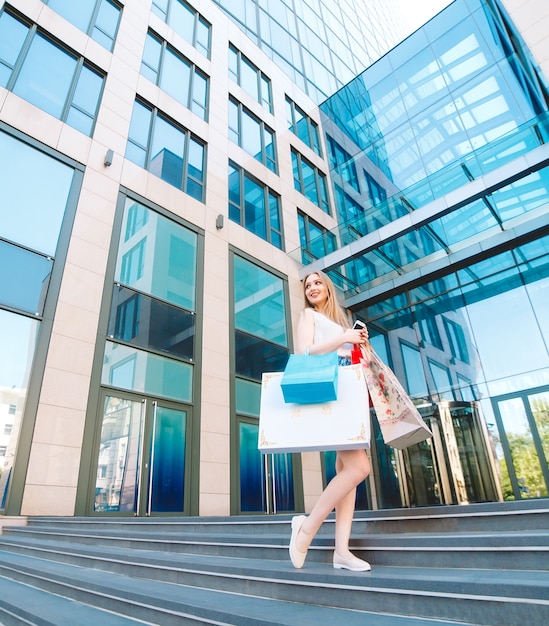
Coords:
355,335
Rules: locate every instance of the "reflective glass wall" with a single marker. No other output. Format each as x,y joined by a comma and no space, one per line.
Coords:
443,249
320,44
35,193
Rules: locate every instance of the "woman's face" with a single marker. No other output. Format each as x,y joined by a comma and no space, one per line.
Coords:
315,291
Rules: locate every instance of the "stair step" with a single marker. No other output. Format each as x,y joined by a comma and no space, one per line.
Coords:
446,588
477,564
480,550
21,603
172,604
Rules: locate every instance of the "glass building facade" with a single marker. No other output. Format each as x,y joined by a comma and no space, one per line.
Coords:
170,169
442,161
320,44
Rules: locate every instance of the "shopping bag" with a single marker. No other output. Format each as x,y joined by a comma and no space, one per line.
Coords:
399,420
310,378
342,424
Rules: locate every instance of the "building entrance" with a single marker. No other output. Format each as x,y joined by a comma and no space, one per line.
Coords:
455,466
141,457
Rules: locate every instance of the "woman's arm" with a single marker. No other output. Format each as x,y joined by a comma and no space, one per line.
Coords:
306,331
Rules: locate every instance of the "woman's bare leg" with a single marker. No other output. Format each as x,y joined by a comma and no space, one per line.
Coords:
352,467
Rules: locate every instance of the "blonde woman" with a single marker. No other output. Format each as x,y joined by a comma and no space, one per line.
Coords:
324,327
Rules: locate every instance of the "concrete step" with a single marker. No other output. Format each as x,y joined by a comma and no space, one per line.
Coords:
166,604
475,550
474,594
476,564
24,604
496,517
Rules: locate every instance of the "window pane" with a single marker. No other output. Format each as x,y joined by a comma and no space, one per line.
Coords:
175,77
253,356
415,377
139,371
443,380
24,278
138,139
77,13
35,188
86,99
182,20
150,324
254,208
150,65
259,302
248,79
46,76
196,160
248,397
169,257
200,95
166,154
17,344
12,37
106,24
250,135
203,37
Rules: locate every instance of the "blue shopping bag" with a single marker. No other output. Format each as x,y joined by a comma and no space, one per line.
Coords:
310,378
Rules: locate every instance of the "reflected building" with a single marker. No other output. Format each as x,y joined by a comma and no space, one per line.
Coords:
168,176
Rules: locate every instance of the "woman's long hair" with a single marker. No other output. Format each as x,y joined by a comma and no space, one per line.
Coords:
333,309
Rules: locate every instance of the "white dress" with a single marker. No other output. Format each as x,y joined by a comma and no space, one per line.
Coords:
325,330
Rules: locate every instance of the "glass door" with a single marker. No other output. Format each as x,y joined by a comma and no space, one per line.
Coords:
142,457
523,424
266,480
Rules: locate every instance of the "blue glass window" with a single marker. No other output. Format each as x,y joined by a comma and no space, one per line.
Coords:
23,216
97,18
443,380
186,22
254,206
170,274
24,277
49,76
167,150
150,324
151,331
126,367
310,181
377,193
303,126
244,73
413,368
342,162
177,76
456,339
252,134
261,335
316,241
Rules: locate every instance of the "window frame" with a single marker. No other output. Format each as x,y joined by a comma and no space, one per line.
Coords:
263,81
187,178
313,130
320,181
81,63
265,159
92,24
192,103
166,16
268,194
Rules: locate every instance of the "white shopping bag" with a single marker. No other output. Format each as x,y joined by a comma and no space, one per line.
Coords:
343,424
